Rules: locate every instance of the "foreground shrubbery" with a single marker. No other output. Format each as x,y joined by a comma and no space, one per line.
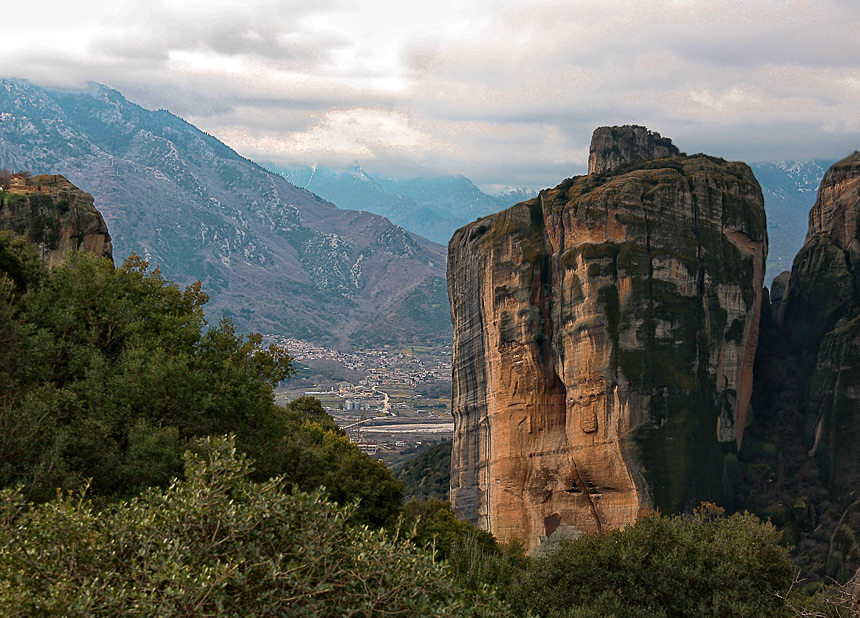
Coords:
215,544
699,565
436,527
686,566
704,564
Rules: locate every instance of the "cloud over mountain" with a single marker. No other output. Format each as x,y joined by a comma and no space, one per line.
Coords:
502,91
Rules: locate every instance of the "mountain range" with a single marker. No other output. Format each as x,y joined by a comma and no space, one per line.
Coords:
435,206
789,189
271,247
273,257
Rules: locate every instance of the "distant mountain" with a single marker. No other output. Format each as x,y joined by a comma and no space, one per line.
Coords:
434,207
513,195
789,189
272,256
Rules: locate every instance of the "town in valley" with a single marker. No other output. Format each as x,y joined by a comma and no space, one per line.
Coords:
392,401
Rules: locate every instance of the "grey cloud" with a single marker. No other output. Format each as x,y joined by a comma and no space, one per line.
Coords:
271,31
513,100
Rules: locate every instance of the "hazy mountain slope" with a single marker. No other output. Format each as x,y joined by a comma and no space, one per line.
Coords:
434,207
789,189
274,257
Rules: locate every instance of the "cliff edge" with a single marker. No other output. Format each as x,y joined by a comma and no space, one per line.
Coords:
612,147
820,310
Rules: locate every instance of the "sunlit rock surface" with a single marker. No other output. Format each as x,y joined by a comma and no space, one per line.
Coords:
604,336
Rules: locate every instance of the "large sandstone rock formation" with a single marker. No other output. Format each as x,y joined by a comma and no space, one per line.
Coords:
821,313
604,336
55,215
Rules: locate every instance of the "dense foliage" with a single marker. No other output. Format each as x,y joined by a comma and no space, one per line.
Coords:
428,475
318,454
215,544
107,373
436,527
703,564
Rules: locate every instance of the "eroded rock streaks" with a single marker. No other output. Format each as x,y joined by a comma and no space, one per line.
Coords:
604,335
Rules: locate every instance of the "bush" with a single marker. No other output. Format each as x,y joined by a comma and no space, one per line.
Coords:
107,373
437,527
116,366
698,565
213,544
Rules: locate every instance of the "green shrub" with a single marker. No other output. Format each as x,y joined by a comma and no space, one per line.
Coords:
698,565
107,373
437,527
215,544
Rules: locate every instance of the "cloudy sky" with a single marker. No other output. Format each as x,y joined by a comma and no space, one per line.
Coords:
506,92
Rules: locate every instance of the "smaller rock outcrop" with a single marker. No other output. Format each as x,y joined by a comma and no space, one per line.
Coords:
612,147
56,216
778,290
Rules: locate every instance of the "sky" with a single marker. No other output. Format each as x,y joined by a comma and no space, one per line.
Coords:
504,92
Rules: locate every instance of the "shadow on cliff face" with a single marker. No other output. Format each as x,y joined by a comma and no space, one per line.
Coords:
799,466
777,479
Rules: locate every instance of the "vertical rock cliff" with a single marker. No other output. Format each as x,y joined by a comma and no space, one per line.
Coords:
821,313
604,336
56,216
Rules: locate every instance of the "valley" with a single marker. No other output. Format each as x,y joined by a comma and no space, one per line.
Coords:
391,400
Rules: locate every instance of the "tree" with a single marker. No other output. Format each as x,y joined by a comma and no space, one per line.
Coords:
109,372
307,408
315,455
428,474
215,543
437,526
19,262
703,564
126,373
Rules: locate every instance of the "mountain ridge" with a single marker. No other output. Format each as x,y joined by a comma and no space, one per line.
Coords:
273,256
434,205
788,186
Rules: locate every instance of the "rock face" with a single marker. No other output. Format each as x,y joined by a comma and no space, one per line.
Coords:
777,291
604,336
612,147
56,216
821,314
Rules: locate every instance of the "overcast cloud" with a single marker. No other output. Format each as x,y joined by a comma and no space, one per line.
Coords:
504,92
